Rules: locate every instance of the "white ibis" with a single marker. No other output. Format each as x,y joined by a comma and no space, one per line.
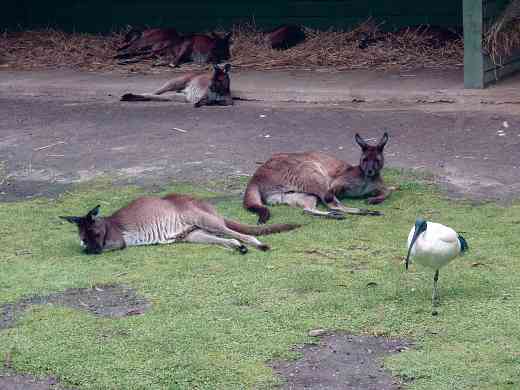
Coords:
434,245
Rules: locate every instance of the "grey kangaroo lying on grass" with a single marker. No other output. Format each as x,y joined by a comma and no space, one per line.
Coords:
206,88
173,218
303,179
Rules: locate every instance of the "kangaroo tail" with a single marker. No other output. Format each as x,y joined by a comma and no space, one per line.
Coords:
145,97
260,230
253,202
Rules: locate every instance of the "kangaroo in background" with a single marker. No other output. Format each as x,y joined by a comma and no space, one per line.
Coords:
202,49
303,179
173,218
147,44
284,37
175,48
200,88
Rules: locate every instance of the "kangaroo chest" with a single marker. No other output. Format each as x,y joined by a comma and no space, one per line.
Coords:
194,92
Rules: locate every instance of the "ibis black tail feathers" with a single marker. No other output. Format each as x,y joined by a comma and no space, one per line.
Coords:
463,244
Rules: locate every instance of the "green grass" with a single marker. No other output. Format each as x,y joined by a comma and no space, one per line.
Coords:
218,316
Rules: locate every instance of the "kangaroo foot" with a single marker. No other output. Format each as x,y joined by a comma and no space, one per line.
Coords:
333,214
370,212
242,249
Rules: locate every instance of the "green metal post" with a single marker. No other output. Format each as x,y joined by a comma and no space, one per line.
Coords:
473,57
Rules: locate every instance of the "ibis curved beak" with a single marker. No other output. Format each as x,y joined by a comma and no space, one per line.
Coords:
414,238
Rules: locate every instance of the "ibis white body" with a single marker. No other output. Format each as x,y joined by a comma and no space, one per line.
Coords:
436,246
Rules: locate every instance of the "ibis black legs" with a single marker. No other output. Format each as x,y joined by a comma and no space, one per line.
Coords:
435,294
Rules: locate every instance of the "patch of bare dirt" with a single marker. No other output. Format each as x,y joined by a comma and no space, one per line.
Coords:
27,382
342,361
105,301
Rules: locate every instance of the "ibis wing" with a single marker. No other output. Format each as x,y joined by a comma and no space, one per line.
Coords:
443,233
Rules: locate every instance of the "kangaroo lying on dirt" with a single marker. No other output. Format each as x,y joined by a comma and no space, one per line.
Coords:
301,179
173,218
207,88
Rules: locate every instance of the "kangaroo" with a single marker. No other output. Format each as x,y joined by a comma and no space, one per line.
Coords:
157,42
174,218
147,44
202,49
152,40
284,37
303,179
206,88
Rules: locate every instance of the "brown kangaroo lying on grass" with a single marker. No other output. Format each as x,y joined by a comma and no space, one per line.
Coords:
301,179
173,218
207,88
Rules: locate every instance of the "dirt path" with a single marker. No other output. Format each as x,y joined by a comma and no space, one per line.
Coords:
50,142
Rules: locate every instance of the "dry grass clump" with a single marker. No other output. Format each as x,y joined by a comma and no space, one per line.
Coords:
502,38
333,49
340,50
53,48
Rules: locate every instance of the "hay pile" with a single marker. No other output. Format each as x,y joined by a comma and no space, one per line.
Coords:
53,49
335,50
502,38
339,50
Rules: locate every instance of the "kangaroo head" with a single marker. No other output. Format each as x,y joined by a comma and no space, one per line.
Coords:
92,230
372,160
220,81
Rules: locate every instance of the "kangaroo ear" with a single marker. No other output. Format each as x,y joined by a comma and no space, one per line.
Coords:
227,68
74,220
94,212
361,142
383,141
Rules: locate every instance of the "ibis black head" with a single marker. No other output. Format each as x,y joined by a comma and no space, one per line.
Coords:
420,226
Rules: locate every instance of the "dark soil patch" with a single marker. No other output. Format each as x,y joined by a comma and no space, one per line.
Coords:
105,301
342,361
27,382
12,190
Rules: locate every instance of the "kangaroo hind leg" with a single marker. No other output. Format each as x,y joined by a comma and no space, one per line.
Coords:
202,237
215,224
336,205
308,202
247,239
